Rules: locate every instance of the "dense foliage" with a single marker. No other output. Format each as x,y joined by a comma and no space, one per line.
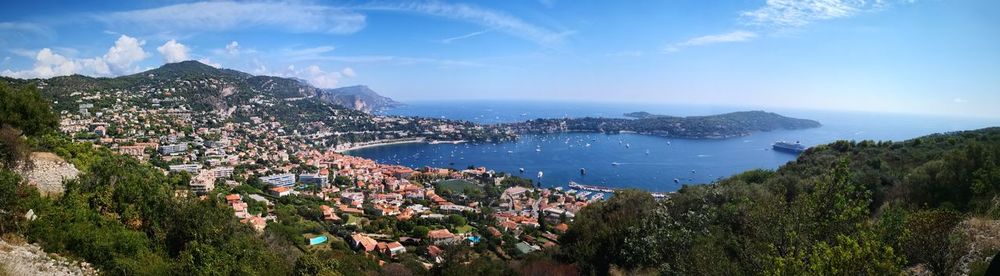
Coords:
700,127
856,208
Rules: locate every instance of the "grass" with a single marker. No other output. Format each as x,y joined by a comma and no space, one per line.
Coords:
464,229
351,219
457,186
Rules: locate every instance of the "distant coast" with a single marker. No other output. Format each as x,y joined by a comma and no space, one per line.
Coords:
342,148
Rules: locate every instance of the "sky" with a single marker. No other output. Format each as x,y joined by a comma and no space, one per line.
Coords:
938,57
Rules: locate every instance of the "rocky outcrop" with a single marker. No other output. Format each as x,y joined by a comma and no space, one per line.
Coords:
49,172
982,238
29,259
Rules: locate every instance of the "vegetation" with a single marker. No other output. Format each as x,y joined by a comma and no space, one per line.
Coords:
696,127
843,208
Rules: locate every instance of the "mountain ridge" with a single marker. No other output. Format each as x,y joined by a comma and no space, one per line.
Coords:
358,97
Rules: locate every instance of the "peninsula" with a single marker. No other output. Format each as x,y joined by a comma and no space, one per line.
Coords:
719,126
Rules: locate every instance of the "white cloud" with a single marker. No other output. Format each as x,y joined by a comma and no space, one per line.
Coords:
119,59
127,50
348,72
797,13
959,100
319,78
484,17
173,51
735,36
209,62
221,16
233,48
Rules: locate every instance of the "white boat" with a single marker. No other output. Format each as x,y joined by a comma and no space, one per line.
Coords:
540,174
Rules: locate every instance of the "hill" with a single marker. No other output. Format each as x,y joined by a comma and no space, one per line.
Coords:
695,127
359,98
184,96
854,208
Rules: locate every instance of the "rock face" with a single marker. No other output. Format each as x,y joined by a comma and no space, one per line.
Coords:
358,97
29,259
49,173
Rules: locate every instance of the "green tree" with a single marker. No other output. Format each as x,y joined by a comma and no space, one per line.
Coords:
24,108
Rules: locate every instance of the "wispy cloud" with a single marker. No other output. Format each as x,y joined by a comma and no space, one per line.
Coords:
468,35
398,60
735,36
311,53
221,16
797,13
491,19
23,30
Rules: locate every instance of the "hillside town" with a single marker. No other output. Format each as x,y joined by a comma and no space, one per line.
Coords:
295,176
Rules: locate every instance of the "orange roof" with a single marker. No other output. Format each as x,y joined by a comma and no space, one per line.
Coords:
366,242
232,197
434,251
562,227
280,189
440,234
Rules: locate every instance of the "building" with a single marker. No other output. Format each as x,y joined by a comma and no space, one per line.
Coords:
280,191
279,180
203,182
223,172
314,179
361,241
173,149
393,248
190,168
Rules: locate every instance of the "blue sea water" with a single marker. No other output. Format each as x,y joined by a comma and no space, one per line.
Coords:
633,160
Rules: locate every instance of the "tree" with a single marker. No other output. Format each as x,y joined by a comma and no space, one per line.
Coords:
597,238
929,239
14,150
23,108
457,220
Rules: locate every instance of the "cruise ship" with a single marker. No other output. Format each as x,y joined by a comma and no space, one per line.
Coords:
789,147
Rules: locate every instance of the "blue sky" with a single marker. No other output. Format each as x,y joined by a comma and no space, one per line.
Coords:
904,56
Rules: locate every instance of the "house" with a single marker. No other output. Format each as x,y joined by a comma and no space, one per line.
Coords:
441,236
328,213
233,198
395,248
257,223
280,191
364,242
435,253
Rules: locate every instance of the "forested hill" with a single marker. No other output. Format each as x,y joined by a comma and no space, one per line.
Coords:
850,208
697,127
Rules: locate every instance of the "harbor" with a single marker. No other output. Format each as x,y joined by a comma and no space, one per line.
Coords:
603,189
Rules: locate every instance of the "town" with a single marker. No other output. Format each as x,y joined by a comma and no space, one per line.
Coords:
292,177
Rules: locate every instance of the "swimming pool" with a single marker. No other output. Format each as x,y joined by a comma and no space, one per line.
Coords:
317,240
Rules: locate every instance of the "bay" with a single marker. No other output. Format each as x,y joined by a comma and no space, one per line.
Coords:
651,163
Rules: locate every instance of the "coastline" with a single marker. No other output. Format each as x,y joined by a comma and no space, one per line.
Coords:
381,143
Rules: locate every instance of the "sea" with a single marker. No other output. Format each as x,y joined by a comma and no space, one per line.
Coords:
652,163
